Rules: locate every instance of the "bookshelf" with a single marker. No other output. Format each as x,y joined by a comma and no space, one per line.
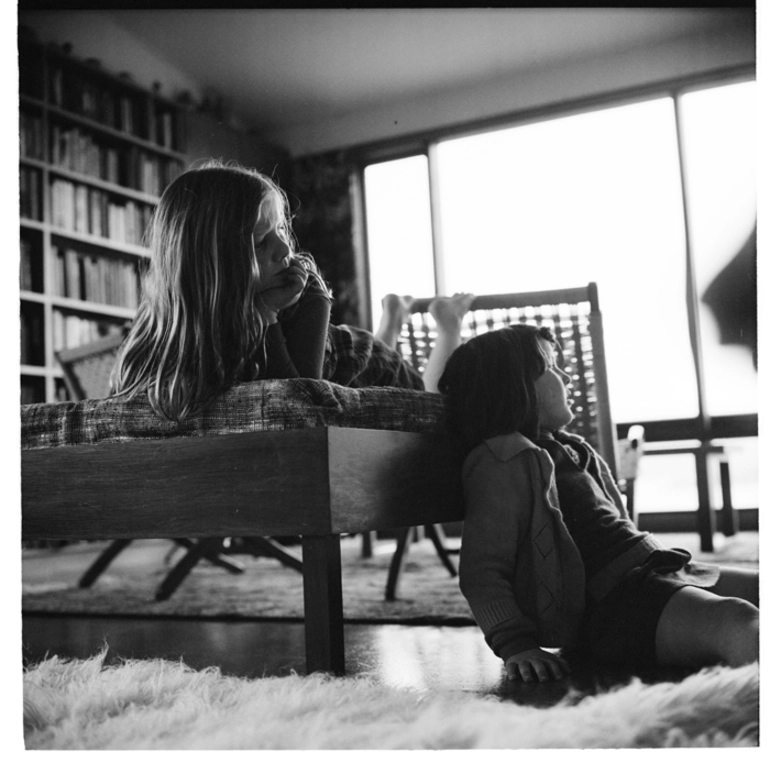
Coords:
95,153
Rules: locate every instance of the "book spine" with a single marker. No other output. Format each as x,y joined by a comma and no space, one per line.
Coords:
26,281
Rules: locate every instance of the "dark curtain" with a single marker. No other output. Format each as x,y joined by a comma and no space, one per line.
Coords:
319,190
732,297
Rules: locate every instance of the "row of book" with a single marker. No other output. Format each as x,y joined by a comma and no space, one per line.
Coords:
73,330
33,391
76,150
30,270
127,111
68,331
32,339
30,71
166,130
31,138
104,280
30,202
77,208
72,91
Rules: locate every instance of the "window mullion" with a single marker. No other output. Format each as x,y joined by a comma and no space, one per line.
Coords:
693,319
361,247
439,272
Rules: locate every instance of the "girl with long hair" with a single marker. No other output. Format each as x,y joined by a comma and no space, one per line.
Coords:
228,298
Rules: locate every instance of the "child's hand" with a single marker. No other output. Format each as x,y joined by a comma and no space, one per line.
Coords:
287,293
536,664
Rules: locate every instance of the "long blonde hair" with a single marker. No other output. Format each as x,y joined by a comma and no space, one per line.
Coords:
198,329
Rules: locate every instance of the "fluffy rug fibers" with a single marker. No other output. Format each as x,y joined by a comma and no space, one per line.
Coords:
155,704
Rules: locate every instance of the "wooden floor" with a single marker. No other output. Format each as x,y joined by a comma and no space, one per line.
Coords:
424,657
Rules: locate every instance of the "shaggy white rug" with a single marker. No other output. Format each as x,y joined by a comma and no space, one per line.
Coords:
156,704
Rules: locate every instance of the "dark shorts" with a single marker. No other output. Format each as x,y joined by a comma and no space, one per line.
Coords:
621,628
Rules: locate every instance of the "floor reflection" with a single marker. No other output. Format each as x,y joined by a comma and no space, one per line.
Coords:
427,658
435,658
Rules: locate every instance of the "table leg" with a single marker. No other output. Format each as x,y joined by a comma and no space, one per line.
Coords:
322,576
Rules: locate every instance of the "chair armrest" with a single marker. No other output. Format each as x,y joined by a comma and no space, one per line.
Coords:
630,451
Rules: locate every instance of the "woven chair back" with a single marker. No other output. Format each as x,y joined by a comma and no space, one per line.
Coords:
87,368
574,317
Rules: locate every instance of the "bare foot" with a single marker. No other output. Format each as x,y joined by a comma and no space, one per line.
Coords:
449,311
395,308
395,312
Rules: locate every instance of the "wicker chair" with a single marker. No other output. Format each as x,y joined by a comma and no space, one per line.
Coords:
87,370
576,321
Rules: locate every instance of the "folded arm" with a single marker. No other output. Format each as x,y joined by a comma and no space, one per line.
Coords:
296,343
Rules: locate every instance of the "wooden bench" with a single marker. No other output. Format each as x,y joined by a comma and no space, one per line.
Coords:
316,483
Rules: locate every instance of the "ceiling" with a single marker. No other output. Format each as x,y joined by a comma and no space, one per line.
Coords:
277,68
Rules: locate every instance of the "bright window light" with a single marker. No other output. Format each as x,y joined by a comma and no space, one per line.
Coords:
597,197
719,126
398,227
591,197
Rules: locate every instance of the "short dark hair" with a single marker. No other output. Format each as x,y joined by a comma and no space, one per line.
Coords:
489,383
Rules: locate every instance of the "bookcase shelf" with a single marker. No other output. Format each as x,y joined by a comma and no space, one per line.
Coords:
33,224
95,153
26,161
33,296
80,178
111,132
107,245
37,371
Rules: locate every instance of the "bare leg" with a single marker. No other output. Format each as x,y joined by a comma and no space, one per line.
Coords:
448,313
699,628
737,582
395,311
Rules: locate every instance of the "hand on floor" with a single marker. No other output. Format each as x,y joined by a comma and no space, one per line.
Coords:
536,665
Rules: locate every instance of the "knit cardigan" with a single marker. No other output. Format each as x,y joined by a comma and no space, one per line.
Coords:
518,562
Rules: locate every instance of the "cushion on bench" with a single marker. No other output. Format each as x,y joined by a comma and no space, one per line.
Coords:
275,404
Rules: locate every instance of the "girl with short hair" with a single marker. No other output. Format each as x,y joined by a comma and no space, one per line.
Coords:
549,557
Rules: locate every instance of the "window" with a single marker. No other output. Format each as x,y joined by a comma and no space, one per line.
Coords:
592,197
624,196
399,230
595,196
718,127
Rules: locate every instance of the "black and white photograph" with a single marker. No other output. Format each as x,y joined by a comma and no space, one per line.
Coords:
388,376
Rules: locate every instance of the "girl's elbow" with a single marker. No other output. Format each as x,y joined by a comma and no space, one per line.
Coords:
474,577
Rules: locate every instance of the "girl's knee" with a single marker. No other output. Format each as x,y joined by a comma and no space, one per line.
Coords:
739,583
700,628
738,631
738,613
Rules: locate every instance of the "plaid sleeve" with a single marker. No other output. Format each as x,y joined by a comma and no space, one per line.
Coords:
356,358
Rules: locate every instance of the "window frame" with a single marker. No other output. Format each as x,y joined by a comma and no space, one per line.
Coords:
702,427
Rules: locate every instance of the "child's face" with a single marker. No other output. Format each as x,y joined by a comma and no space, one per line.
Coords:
551,389
273,250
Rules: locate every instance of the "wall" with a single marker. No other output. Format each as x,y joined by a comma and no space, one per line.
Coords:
526,90
209,137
